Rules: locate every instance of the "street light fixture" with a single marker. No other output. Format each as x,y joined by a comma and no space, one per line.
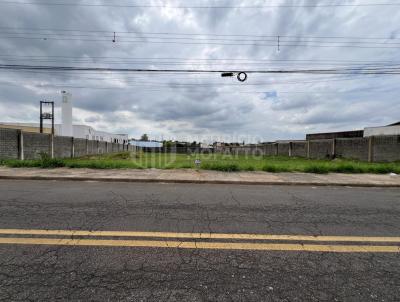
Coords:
241,76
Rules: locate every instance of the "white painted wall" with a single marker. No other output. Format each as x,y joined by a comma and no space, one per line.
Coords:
80,131
146,144
87,132
388,130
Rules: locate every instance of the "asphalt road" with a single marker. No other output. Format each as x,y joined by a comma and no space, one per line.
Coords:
177,259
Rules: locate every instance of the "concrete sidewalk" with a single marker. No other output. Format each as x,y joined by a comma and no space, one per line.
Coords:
201,176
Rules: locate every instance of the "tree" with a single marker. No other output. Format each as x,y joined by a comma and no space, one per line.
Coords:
144,137
167,144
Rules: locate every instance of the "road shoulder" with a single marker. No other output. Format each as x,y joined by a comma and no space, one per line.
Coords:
201,177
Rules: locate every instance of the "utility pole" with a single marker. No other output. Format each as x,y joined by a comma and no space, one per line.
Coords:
47,115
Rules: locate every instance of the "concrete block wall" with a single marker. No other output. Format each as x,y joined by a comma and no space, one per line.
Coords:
15,144
9,143
386,148
102,147
372,149
63,147
283,149
299,149
321,149
80,147
234,150
270,149
36,144
92,147
258,151
352,148
244,150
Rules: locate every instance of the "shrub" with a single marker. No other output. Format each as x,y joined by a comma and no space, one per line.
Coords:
224,167
347,168
183,166
249,168
120,155
14,163
317,169
270,168
47,162
276,168
381,169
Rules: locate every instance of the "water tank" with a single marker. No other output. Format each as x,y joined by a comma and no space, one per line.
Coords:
66,114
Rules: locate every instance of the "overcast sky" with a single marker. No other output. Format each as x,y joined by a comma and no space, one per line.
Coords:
203,106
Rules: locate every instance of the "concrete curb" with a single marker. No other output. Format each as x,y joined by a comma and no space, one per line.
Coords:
188,181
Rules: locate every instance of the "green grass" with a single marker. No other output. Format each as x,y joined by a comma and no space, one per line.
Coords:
224,167
217,162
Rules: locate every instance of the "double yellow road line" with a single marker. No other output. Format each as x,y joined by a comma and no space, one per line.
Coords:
257,242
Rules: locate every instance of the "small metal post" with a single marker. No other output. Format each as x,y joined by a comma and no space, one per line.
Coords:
52,118
41,117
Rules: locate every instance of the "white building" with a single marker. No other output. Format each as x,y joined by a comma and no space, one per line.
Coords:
66,128
393,129
78,131
146,144
83,131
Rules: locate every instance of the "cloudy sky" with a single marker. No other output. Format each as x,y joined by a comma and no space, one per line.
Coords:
183,34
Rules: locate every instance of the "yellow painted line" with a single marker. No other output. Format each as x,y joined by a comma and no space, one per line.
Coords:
198,235
205,245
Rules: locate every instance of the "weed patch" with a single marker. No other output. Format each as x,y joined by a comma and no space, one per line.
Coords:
217,162
317,169
224,167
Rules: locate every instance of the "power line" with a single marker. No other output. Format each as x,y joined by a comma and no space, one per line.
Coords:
236,65
368,70
388,4
149,85
205,59
254,44
138,79
194,34
198,76
276,40
145,39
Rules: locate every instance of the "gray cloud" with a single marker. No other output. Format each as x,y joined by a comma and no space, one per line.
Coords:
163,106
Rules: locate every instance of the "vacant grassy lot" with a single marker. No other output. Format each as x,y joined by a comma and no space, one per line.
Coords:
219,162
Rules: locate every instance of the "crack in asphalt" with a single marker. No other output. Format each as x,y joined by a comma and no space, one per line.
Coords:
73,273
